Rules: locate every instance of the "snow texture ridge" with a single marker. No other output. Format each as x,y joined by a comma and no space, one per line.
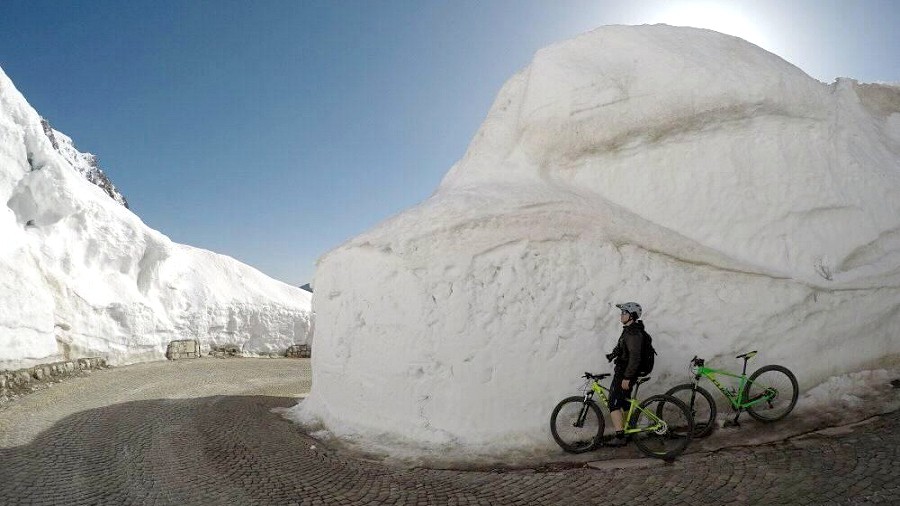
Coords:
744,204
80,275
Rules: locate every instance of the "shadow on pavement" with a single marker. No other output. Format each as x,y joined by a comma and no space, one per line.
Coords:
207,450
236,450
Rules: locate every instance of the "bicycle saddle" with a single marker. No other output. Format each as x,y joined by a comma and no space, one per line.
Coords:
747,356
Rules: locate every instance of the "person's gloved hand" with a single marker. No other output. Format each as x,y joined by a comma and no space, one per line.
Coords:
610,357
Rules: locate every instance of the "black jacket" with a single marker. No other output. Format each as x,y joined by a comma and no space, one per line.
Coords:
628,350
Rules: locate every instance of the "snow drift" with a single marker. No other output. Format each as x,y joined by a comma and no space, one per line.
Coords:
80,275
746,205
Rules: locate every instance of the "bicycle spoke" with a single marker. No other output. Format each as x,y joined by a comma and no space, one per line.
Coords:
701,405
576,426
665,425
775,391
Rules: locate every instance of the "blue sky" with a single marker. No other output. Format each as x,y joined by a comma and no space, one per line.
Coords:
273,131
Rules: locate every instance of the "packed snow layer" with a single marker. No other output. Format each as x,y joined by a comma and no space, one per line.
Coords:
80,275
746,205
850,397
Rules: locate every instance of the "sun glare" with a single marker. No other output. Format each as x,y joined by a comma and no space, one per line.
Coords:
722,17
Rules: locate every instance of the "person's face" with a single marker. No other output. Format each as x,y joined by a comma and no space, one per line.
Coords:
625,317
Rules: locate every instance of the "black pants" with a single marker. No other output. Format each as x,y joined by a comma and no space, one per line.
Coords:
618,398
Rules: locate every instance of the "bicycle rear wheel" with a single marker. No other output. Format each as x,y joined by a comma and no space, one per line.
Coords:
701,405
666,425
778,386
576,425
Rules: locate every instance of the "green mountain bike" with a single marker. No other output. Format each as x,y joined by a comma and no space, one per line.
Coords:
661,426
769,394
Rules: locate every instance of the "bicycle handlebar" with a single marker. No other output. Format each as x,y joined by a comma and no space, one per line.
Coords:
588,375
697,361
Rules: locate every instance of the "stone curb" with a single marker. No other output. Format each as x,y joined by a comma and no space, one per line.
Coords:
299,351
23,381
605,465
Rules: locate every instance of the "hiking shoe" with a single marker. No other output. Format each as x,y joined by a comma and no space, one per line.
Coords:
617,441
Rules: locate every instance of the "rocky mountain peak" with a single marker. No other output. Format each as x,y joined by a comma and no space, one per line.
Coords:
86,163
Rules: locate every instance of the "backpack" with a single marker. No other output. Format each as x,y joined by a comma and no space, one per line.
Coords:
648,354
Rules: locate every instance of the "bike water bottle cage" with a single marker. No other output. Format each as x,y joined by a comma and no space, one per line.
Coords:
747,356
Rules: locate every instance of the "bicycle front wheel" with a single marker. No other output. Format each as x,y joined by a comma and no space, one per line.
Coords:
576,424
701,405
666,427
776,389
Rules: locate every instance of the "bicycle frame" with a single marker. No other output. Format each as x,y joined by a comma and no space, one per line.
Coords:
632,409
736,399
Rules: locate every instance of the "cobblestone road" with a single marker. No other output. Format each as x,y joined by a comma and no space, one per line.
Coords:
118,437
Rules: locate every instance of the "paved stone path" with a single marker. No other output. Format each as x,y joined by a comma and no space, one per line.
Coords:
161,434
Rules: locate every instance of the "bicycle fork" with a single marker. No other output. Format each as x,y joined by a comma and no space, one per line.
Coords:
694,396
579,422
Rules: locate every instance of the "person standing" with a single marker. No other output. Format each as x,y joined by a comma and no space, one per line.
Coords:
627,357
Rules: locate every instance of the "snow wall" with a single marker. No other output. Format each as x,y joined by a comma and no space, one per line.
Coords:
80,275
744,204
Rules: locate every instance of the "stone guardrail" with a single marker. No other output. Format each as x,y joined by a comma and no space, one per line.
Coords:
185,348
23,381
299,351
190,348
225,351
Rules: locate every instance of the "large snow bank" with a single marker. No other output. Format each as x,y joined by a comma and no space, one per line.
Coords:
81,275
746,205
